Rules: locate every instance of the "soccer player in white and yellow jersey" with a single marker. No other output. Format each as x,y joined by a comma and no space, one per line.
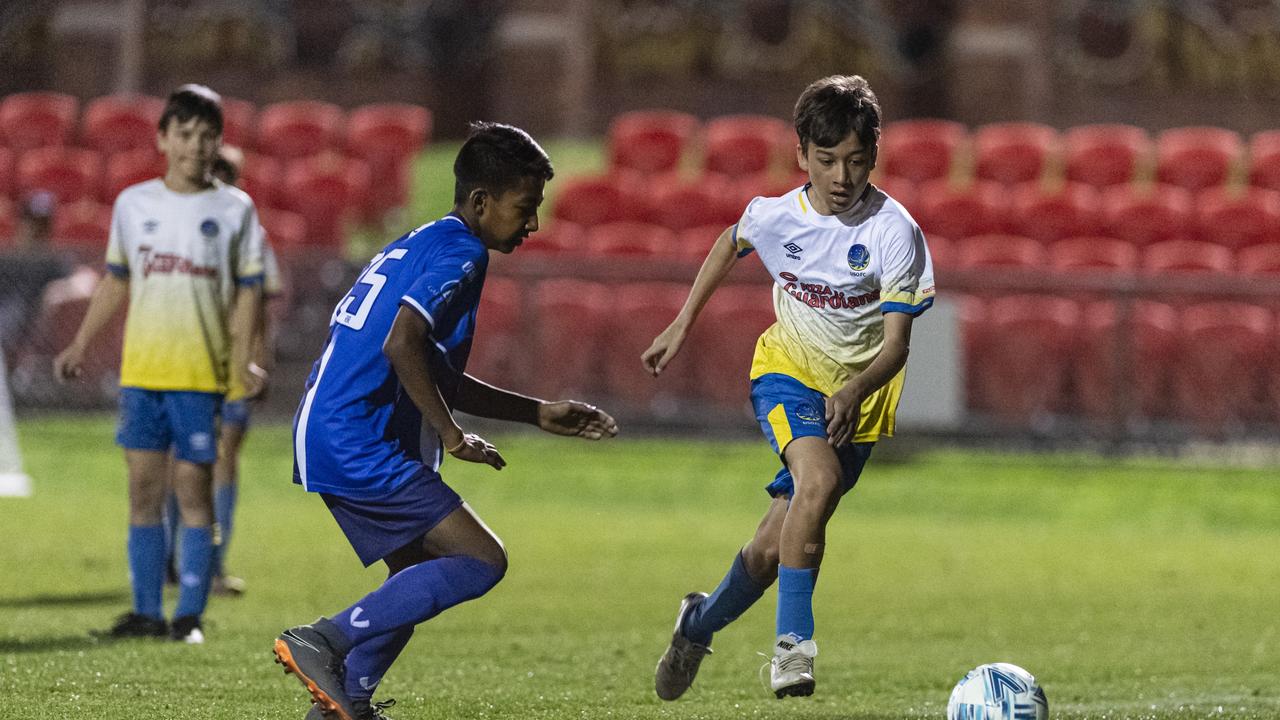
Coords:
186,250
851,271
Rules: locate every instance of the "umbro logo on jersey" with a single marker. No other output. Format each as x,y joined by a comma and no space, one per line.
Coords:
149,227
793,250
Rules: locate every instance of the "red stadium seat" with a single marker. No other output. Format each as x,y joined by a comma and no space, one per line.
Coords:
650,141
559,237
8,222
286,230
1220,377
115,123
693,244
238,117
1238,221
388,136
570,323
1102,155
739,145
919,150
1137,358
1259,259
1179,256
37,119
942,251
723,342
83,225
1014,152
261,177
680,206
69,173
1143,218
1093,253
1017,349
986,251
630,239
295,129
941,209
326,190
1264,159
638,312
1048,216
1195,158
130,168
6,172
900,189
596,200
500,351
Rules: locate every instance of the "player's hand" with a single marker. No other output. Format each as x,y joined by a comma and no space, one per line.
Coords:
69,363
842,415
579,419
478,450
664,347
256,380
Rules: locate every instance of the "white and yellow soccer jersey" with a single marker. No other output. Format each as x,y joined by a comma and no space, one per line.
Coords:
834,277
183,255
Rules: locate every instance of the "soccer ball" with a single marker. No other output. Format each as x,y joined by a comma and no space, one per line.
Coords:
998,691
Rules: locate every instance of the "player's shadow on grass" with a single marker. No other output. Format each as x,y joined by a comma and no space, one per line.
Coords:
52,600
46,644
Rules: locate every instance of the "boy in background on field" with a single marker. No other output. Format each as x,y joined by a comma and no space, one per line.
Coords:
851,271
235,413
396,356
186,250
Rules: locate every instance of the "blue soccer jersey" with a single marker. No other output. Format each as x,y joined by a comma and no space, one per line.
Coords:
357,433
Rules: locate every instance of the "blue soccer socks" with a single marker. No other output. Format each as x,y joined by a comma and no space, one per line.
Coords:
224,508
370,660
737,592
416,594
146,550
795,601
193,571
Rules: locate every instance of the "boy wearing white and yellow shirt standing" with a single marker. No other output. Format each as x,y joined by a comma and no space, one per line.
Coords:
851,271
186,250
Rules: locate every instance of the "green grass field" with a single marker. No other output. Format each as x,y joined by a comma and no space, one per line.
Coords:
1132,589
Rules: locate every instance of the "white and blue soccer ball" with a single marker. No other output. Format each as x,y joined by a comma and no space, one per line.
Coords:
998,691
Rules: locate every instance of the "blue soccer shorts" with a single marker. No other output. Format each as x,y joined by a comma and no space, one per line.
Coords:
379,526
185,422
236,412
787,409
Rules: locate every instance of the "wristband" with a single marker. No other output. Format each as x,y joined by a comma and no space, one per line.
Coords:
258,370
457,447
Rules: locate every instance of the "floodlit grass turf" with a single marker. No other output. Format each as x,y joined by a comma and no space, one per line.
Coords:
1131,589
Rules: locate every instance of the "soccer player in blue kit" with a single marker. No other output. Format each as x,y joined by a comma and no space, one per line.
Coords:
396,356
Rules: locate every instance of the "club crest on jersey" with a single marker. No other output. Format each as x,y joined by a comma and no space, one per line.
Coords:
209,228
859,257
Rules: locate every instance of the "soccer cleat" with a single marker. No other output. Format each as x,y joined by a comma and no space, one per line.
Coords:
678,666
304,652
227,586
187,629
133,625
791,669
364,711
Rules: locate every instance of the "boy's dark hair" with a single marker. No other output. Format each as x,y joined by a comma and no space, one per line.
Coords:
497,157
193,101
831,108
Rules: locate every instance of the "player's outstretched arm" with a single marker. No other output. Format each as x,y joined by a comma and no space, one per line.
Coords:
406,348
720,260
564,417
110,292
843,406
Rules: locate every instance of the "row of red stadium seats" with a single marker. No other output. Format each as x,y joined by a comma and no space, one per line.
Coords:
1193,158
1232,218
291,129
1032,355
